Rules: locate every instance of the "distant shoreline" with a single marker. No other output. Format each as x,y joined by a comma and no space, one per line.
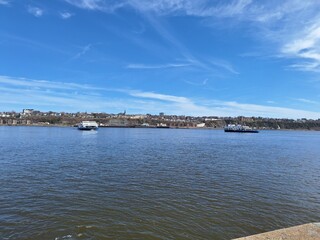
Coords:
122,120
152,127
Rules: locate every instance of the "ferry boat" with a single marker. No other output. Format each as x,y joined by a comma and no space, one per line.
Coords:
88,125
239,128
162,125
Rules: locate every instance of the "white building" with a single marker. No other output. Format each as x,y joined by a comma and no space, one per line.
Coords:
27,111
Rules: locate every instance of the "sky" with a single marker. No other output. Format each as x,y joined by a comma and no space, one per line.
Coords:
181,57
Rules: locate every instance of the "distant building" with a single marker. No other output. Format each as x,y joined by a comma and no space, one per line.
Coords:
138,116
161,114
201,125
27,111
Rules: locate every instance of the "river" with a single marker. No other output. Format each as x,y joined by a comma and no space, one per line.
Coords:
115,183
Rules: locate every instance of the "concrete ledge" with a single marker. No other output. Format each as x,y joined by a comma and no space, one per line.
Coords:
310,231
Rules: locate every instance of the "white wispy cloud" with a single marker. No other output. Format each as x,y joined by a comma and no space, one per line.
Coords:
169,37
99,5
164,32
59,96
157,66
266,111
224,65
35,11
162,97
18,93
304,100
32,43
286,10
65,14
4,2
45,84
201,8
197,83
175,104
83,51
307,47
187,106
57,101
261,11
145,7
88,4
231,9
275,21
292,37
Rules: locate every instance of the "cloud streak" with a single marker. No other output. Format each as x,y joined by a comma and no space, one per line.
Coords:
59,96
305,46
65,15
30,83
35,11
32,43
88,4
294,37
187,106
4,2
159,66
157,96
267,111
97,5
83,51
303,100
202,83
147,8
224,65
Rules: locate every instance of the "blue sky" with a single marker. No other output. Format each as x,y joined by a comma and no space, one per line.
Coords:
184,57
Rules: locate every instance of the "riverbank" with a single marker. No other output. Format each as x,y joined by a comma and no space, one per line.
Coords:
310,231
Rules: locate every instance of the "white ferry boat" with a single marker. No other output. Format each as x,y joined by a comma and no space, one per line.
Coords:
239,128
88,125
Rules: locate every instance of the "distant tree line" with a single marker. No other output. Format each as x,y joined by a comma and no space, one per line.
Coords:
179,121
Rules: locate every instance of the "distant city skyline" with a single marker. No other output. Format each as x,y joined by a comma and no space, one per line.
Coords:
180,57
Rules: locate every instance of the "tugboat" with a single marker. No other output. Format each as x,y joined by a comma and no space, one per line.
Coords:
88,125
239,129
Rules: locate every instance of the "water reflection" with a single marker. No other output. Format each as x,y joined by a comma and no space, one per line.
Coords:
91,133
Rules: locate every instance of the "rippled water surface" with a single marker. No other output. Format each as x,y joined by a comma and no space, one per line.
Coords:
61,183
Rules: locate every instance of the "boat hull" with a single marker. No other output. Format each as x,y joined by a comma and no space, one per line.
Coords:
87,128
241,131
